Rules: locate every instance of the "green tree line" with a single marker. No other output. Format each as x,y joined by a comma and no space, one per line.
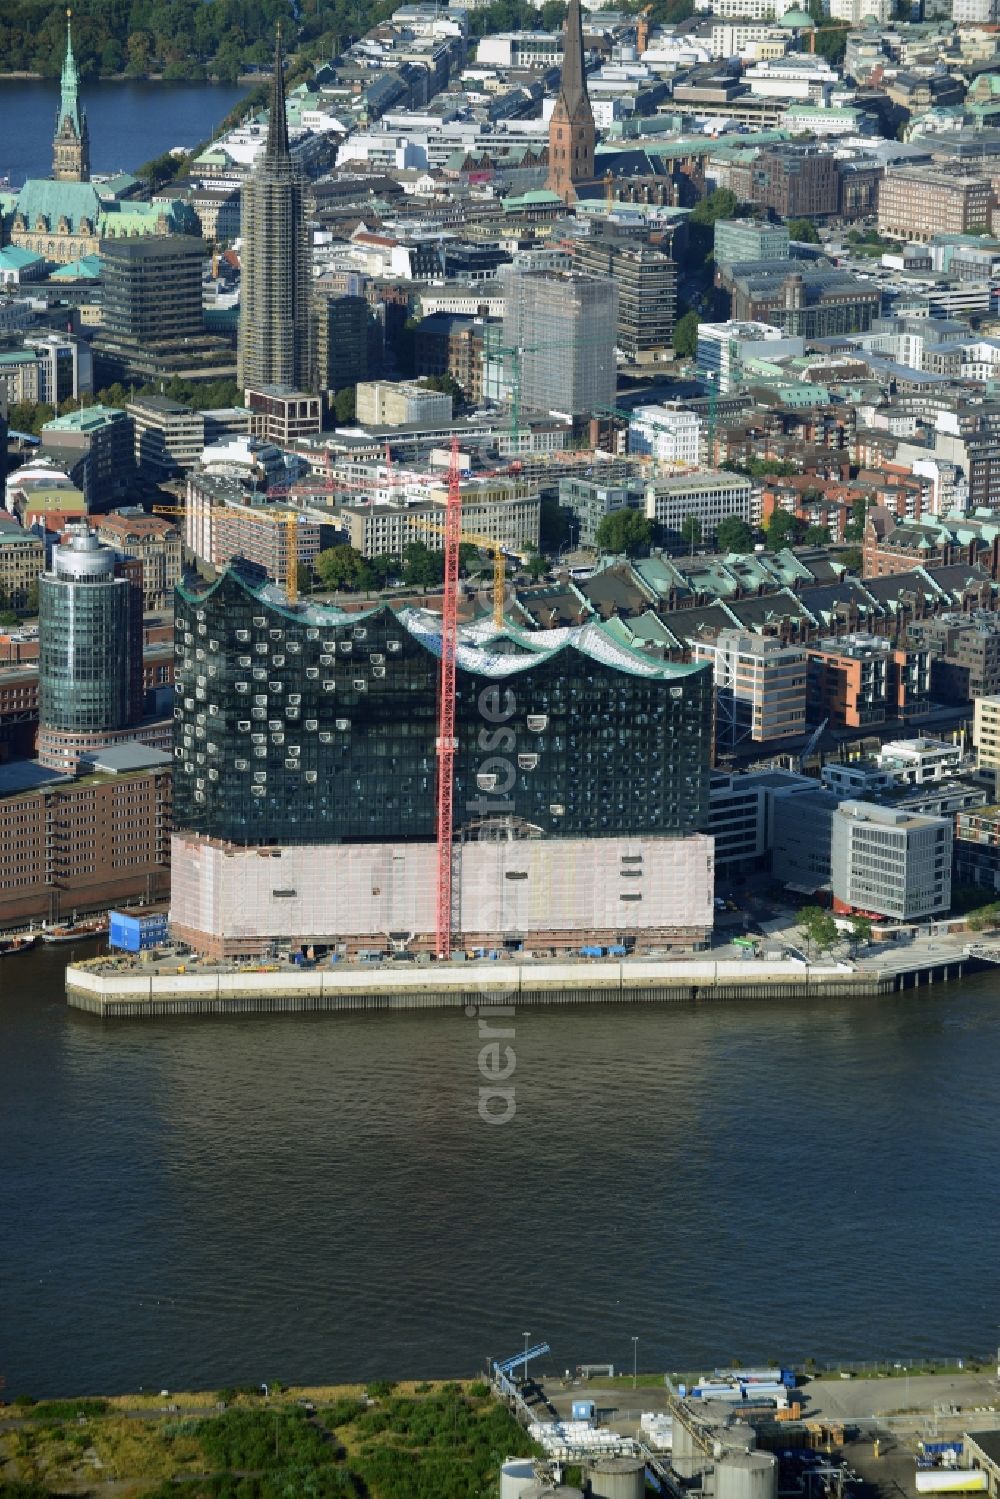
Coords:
178,39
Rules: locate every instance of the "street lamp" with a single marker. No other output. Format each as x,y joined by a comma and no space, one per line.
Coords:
526,1337
635,1355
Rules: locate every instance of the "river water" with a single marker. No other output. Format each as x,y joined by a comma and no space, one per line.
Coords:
316,1198
130,122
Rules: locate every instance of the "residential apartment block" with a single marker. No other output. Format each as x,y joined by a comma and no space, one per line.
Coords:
760,687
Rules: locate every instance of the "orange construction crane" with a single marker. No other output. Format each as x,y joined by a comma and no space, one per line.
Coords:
488,544
446,705
291,523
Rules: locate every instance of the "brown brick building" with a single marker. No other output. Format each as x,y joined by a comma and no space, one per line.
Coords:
796,181
87,844
915,203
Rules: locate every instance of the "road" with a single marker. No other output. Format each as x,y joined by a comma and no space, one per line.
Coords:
859,1399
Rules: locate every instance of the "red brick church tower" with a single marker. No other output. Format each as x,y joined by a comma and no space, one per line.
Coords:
571,128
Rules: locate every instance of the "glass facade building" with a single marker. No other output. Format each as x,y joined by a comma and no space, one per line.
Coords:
312,725
90,640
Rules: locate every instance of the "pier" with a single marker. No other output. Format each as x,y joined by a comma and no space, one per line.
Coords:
153,993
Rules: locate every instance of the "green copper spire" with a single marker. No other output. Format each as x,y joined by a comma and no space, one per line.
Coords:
70,103
71,145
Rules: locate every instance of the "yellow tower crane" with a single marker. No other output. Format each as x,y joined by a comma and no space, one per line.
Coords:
289,519
496,551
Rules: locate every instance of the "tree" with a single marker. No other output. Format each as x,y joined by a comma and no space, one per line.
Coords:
624,531
422,568
861,930
831,42
447,384
783,530
852,559
984,918
816,535
855,528
691,531
686,336
804,230
817,927
537,566
341,567
345,404
385,569
733,535
722,204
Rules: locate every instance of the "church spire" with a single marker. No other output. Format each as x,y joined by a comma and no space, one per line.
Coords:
573,89
571,128
277,126
71,145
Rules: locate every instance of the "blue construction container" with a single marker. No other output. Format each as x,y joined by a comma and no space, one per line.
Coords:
584,1410
136,933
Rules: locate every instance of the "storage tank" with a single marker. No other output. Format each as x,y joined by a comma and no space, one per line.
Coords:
617,1478
747,1475
516,1475
544,1490
950,1480
739,1437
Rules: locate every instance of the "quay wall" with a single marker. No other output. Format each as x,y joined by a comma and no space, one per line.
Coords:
139,994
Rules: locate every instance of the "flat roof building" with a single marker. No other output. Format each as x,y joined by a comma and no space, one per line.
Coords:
887,861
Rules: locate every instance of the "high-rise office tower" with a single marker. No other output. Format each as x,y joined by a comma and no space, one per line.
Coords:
152,323
274,338
571,128
565,325
151,288
90,650
71,143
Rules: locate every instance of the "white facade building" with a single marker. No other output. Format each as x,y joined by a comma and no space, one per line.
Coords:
709,495
668,435
723,347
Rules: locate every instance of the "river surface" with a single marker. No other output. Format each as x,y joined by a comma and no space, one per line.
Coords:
197,1203
130,122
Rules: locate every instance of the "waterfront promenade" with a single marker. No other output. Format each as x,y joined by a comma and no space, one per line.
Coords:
103,987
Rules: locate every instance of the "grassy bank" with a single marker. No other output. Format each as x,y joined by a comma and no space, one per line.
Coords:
431,1440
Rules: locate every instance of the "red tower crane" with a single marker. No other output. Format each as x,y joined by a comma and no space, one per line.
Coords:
446,704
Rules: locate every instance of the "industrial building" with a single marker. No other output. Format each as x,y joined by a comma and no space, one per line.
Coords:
70,846
305,757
